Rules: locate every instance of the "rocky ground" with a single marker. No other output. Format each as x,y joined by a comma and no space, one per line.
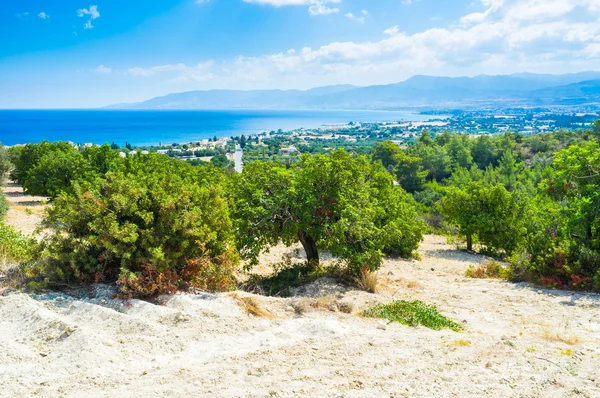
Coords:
519,341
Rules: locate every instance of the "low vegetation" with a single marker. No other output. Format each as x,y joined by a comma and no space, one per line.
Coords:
156,225
413,313
490,269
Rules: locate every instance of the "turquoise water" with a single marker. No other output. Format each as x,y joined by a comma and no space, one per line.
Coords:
154,127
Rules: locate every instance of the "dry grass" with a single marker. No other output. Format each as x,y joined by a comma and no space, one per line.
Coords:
253,307
569,339
368,281
461,343
490,269
409,284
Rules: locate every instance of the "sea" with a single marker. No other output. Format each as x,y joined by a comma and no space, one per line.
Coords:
149,127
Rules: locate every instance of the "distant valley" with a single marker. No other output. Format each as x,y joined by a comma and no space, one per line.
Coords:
504,91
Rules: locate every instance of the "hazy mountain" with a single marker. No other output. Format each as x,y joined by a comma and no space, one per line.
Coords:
524,89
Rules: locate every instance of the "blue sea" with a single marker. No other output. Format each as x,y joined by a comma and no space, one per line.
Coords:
166,127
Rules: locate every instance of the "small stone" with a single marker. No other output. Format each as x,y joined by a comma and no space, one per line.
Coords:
315,348
382,326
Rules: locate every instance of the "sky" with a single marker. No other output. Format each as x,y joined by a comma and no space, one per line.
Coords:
77,54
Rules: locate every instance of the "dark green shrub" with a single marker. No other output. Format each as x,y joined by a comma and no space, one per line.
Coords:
152,223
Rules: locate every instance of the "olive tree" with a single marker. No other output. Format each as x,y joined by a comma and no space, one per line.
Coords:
326,202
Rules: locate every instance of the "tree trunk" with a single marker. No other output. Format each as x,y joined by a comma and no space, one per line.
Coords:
469,243
310,247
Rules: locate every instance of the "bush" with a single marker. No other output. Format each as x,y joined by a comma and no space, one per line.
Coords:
14,247
413,313
152,227
4,206
490,269
5,165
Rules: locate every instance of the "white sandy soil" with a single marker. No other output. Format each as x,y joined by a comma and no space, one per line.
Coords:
519,341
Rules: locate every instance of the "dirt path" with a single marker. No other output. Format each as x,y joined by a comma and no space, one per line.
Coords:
25,211
519,342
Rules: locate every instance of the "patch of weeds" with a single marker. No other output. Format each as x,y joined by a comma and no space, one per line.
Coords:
287,275
461,343
491,269
368,280
253,307
530,349
567,352
561,338
413,313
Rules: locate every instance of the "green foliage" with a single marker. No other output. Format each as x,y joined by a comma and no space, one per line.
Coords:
48,169
144,225
410,173
490,269
4,206
5,164
388,154
413,313
286,276
333,202
489,214
14,247
220,161
54,172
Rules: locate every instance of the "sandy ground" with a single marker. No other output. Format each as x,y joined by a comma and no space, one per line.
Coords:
519,341
25,211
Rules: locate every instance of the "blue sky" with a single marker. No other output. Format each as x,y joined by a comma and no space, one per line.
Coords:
72,53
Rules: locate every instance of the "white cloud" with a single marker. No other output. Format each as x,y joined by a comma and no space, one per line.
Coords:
355,18
393,31
103,70
43,15
316,7
93,13
506,36
177,72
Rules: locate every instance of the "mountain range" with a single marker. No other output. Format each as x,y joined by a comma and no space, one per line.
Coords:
516,90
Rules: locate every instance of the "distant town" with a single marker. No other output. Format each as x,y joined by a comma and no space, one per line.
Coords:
360,137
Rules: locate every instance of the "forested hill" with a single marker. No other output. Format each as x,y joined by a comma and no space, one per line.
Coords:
427,91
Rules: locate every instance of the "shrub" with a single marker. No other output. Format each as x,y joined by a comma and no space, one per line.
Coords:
14,247
286,276
4,206
5,164
151,227
490,269
413,313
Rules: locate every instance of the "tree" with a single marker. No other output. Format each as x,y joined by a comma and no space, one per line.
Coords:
489,213
388,154
26,157
410,173
55,172
329,202
484,152
220,161
5,164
